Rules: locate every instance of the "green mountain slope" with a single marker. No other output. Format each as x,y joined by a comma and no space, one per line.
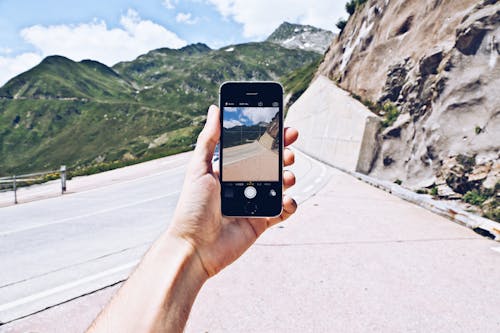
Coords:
81,113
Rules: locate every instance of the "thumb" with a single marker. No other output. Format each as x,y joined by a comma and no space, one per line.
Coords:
208,138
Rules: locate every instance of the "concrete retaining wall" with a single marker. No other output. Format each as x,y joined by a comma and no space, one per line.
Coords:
334,127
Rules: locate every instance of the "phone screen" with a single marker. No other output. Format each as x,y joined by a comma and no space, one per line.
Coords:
251,144
251,148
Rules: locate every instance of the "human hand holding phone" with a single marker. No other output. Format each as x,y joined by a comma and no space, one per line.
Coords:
198,220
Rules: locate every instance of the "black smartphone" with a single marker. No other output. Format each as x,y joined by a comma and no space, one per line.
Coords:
251,148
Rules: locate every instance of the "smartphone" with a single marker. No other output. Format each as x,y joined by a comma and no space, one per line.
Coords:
251,148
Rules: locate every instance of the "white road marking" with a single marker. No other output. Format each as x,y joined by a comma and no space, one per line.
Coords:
102,211
63,287
129,181
307,189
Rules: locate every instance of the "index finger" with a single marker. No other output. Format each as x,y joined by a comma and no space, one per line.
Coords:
291,135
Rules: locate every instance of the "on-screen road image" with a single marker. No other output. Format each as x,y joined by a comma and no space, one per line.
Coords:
250,144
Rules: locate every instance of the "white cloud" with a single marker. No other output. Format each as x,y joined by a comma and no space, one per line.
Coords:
93,40
261,17
96,41
11,66
259,115
186,18
169,4
231,123
5,50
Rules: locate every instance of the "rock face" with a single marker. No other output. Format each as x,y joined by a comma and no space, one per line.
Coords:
437,61
304,37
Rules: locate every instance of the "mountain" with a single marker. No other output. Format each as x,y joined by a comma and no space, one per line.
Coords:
305,37
436,64
83,113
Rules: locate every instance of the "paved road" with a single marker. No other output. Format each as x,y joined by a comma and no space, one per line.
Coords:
251,161
60,248
352,259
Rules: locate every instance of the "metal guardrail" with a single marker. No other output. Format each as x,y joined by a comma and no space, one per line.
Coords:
21,180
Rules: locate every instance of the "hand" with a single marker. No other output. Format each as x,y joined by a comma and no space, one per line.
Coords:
218,240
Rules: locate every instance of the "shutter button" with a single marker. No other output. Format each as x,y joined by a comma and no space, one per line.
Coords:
250,192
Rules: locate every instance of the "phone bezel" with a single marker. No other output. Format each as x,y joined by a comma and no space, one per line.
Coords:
268,91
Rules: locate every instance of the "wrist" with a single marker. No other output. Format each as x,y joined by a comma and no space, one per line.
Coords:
189,258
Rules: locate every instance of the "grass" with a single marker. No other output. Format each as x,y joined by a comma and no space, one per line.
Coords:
434,191
474,197
391,113
388,110
297,82
83,114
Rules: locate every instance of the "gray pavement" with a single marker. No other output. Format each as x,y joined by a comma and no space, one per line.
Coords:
356,259
353,259
58,249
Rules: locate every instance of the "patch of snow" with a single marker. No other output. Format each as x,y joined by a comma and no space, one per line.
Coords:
231,49
363,32
493,53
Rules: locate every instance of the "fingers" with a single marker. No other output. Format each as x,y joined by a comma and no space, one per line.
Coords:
288,179
208,138
291,135
289,207
288,157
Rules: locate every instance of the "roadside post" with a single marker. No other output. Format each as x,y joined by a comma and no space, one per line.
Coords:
14,187
63,179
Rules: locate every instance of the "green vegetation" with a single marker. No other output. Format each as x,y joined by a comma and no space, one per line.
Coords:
474,197
486,200
91,117
398,181
478,130
434,191
388,110
352,5
391,113
341,23
297,81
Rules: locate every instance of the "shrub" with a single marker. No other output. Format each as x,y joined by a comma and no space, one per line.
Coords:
350,7
341,23
434,191
391,114
474,197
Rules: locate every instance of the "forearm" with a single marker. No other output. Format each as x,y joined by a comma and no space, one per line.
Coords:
158,296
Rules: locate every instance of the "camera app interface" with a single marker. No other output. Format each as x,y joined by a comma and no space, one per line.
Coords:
251,144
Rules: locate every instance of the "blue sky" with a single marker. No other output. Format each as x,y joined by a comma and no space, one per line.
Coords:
248,116
111,31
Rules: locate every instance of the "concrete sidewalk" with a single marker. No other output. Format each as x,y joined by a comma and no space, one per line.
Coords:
353,259
356,259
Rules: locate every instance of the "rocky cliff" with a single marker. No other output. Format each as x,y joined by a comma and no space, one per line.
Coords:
303,37
435,62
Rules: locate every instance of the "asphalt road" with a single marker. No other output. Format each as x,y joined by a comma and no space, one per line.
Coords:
352,259
56,249
251,161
